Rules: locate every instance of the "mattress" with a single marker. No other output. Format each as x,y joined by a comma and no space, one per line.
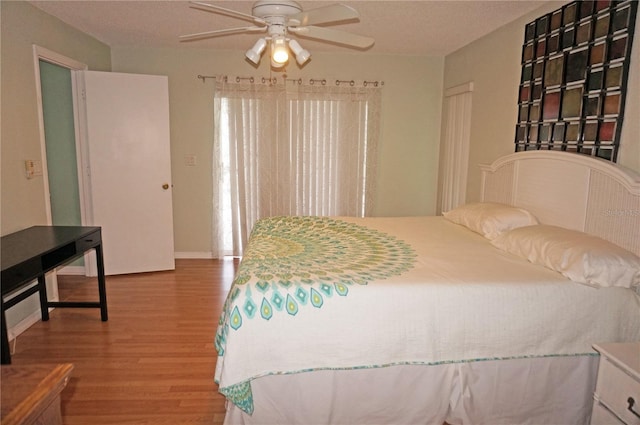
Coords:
315,293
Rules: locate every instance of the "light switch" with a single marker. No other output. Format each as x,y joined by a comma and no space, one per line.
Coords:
33,168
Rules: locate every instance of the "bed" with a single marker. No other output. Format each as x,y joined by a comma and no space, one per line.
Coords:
469,318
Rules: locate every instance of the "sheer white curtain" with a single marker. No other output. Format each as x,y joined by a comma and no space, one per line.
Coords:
295,150
332,145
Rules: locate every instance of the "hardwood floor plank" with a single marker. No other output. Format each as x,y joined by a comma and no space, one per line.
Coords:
183,419
153,362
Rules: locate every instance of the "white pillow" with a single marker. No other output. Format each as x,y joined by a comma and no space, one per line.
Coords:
580,257
490,219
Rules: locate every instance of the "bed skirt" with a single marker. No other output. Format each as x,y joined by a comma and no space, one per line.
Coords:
547,390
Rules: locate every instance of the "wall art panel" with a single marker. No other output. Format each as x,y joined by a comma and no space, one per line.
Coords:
575,67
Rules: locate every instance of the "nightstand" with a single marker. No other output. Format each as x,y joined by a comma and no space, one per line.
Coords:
616,400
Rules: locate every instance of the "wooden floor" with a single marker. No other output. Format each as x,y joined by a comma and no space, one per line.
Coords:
153,362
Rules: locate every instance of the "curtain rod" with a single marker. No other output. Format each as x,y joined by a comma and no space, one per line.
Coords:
299,81
238,79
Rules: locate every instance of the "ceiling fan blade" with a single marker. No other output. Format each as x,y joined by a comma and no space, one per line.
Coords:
324,15
224,11
335,36
217,33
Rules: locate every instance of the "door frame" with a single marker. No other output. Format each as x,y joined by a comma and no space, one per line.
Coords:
43,54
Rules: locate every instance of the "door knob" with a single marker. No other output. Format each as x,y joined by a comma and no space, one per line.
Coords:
165,186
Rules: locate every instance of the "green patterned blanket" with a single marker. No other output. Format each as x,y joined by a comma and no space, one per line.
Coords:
294,264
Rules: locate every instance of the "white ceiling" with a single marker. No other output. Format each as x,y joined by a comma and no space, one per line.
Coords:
426,27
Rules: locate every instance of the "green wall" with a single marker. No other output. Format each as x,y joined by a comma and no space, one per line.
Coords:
410,125
22,25
493,64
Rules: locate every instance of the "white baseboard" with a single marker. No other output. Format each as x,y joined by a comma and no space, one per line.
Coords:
193,255
25,324
72,270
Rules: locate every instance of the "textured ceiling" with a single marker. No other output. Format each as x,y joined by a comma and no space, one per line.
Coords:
426,27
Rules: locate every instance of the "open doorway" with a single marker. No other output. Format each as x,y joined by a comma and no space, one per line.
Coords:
60,143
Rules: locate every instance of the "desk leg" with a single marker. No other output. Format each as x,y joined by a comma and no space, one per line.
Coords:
101,284
44,308
6,351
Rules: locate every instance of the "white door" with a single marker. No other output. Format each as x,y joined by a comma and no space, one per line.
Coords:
456,136
129,169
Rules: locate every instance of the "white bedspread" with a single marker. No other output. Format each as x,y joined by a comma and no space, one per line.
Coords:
450,297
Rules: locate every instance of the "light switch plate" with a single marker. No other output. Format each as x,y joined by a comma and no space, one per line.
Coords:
33,168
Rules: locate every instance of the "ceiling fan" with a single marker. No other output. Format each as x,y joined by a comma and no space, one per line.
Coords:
279,18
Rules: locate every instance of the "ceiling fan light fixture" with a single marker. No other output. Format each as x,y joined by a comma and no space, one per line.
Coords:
279,18
255,53
302,55
279,51
276,65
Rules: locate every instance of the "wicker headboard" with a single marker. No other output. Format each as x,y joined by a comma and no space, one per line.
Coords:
572,191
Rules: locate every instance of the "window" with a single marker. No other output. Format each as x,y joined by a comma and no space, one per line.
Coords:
302,150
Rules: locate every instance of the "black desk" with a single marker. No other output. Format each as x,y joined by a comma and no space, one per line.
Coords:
30,253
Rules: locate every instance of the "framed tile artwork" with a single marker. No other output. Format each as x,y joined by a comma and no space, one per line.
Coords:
575,67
